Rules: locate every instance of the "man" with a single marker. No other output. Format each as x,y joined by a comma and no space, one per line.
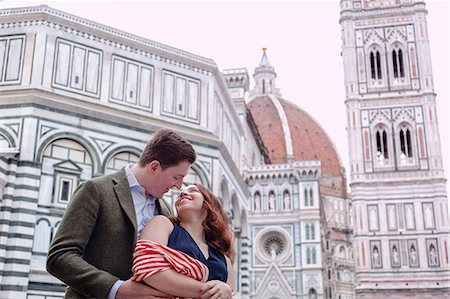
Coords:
93,247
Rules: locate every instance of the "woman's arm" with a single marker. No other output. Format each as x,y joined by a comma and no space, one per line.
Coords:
169,281
230,272
176,284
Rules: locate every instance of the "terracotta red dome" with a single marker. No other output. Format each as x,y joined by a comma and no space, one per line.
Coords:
309,140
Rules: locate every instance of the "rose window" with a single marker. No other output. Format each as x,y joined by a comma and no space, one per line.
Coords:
273,245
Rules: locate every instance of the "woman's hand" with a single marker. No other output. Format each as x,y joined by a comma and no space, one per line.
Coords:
216,289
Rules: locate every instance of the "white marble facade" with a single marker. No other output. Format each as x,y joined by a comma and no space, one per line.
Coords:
80,99
401,226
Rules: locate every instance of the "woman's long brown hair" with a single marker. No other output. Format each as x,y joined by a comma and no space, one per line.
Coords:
218,233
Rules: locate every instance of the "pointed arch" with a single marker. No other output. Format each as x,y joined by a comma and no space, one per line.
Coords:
405,140
272,200
375,63
381,142
257,201
312,293
397,60
286,199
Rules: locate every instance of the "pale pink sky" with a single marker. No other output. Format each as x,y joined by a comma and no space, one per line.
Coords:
303,40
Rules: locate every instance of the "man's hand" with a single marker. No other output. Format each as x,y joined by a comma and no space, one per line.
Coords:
136,290
216,289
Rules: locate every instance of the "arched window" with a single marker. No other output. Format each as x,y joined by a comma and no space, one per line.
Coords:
397,61
372,65
71,163
375,64
405,143
311,197
310,256
42,235
305,193
308,236
312,294
313,231
378,64
382,146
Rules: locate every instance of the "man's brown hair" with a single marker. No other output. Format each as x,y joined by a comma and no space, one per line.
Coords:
168,148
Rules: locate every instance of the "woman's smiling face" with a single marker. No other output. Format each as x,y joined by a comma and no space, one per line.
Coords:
190,198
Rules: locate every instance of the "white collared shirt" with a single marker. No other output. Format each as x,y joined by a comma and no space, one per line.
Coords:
144,205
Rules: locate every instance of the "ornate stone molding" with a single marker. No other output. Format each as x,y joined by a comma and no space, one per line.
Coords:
40,15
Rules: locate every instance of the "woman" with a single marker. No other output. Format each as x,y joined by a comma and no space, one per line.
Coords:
202,232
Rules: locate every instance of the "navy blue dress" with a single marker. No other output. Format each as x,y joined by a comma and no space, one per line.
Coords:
181,240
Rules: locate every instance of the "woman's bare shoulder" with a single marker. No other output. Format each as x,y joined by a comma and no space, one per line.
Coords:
158,229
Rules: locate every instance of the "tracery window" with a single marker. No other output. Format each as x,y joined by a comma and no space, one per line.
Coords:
308,197
312,231
382,144
405,143
311,256
397,61
375,64
274,246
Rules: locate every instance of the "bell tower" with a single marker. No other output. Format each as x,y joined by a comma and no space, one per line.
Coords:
397,178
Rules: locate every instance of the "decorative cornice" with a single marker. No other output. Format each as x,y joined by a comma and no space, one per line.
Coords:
52,18
312,165
418,7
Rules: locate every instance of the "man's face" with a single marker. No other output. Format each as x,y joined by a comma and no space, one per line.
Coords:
162,180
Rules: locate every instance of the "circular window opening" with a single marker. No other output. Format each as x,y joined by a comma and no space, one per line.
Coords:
274,246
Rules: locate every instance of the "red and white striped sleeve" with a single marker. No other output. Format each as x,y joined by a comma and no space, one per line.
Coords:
150,258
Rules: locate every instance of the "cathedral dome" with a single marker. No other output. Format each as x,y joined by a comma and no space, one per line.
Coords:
289,133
